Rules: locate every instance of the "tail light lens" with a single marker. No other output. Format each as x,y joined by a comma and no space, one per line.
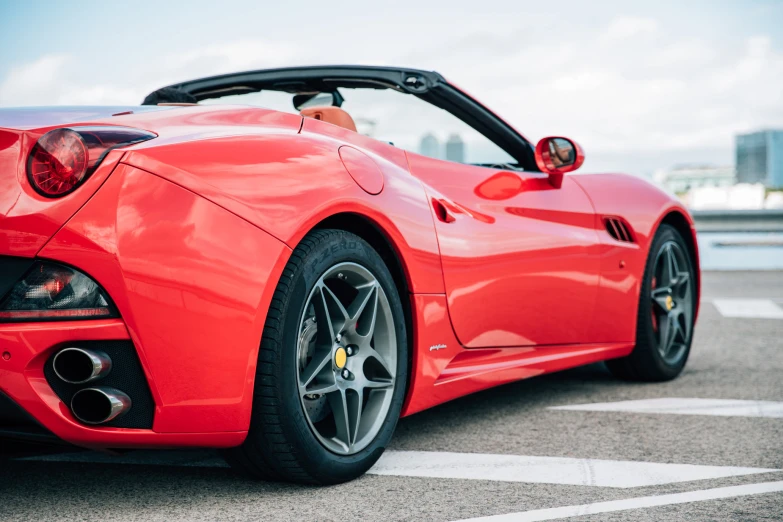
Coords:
63,158
51,291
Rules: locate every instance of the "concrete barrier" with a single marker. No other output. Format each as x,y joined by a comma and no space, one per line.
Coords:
766,220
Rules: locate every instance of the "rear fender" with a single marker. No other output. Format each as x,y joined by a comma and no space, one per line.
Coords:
287,184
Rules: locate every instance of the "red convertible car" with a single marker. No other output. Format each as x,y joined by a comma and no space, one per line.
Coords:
279,285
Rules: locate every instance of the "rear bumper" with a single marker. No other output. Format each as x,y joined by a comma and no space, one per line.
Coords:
33,411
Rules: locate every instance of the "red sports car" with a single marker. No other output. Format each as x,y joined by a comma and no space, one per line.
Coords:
279,285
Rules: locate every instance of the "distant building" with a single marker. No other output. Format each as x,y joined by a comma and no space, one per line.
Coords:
430,146
684,178
760,158
455,149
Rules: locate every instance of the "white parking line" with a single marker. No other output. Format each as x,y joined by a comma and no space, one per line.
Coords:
682,406
472,466
634,503
547,470
749,308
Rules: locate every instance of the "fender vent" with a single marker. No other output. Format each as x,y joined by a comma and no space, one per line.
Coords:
618,230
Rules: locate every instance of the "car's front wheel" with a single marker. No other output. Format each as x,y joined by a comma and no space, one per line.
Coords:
332,367
667,308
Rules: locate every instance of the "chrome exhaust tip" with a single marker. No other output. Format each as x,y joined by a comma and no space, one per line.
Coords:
80,366
99,405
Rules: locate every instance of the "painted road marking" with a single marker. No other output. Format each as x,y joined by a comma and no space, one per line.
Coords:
547,470
679,406
634,503
471,466
749,308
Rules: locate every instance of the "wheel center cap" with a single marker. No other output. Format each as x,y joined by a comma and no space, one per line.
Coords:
669,303
340,357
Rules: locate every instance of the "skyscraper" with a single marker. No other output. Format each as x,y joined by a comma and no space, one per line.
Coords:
760,158
430,146
455,149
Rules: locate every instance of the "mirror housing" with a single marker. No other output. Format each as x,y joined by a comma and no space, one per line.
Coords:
556,156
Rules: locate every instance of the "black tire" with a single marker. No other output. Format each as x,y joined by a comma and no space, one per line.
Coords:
646,363
280,444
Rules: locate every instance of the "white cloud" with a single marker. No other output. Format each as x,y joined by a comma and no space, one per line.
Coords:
33,83
626,27
231,56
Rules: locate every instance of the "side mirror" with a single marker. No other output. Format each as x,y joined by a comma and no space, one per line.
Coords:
556,156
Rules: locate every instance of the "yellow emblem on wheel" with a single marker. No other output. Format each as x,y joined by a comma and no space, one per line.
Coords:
669,302
340,357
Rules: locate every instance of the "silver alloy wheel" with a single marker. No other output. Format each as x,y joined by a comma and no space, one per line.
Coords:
672,301
347,358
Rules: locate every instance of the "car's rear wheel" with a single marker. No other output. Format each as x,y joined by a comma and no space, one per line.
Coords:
667,306
332,367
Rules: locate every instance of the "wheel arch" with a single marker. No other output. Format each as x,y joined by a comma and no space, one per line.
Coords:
372,232
369,230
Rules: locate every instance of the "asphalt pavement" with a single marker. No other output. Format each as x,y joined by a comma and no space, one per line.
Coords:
687,460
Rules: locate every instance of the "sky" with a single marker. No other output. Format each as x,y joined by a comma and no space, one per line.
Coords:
640,85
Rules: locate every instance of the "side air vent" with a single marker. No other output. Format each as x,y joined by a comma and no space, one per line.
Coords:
618,230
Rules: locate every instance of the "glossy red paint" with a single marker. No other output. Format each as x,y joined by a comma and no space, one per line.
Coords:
507,275
286,187
444,370
28,219
622,264
530,245
362,169
22,378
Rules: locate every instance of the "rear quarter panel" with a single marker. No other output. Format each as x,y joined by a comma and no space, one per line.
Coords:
286,184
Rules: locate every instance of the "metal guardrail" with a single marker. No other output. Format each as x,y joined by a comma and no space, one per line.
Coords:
759,220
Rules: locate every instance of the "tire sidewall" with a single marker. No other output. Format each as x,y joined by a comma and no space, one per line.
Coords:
321,463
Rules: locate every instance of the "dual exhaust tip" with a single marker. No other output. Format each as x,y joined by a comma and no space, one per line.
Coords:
94,405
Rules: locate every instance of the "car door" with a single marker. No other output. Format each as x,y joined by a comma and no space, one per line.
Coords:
520,257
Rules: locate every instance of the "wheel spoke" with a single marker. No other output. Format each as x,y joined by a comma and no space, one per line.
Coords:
671,266
683,281
373,354
365,313
660,297
319,361
366,294
326,334
319,389
339,407
378,385
667,333
337,313
353,402
680,331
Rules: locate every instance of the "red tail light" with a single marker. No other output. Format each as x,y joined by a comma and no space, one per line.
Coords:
63,158
58,162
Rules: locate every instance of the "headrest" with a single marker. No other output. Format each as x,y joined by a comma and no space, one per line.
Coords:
333,115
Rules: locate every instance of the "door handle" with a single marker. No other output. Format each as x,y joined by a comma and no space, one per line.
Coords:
441,211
